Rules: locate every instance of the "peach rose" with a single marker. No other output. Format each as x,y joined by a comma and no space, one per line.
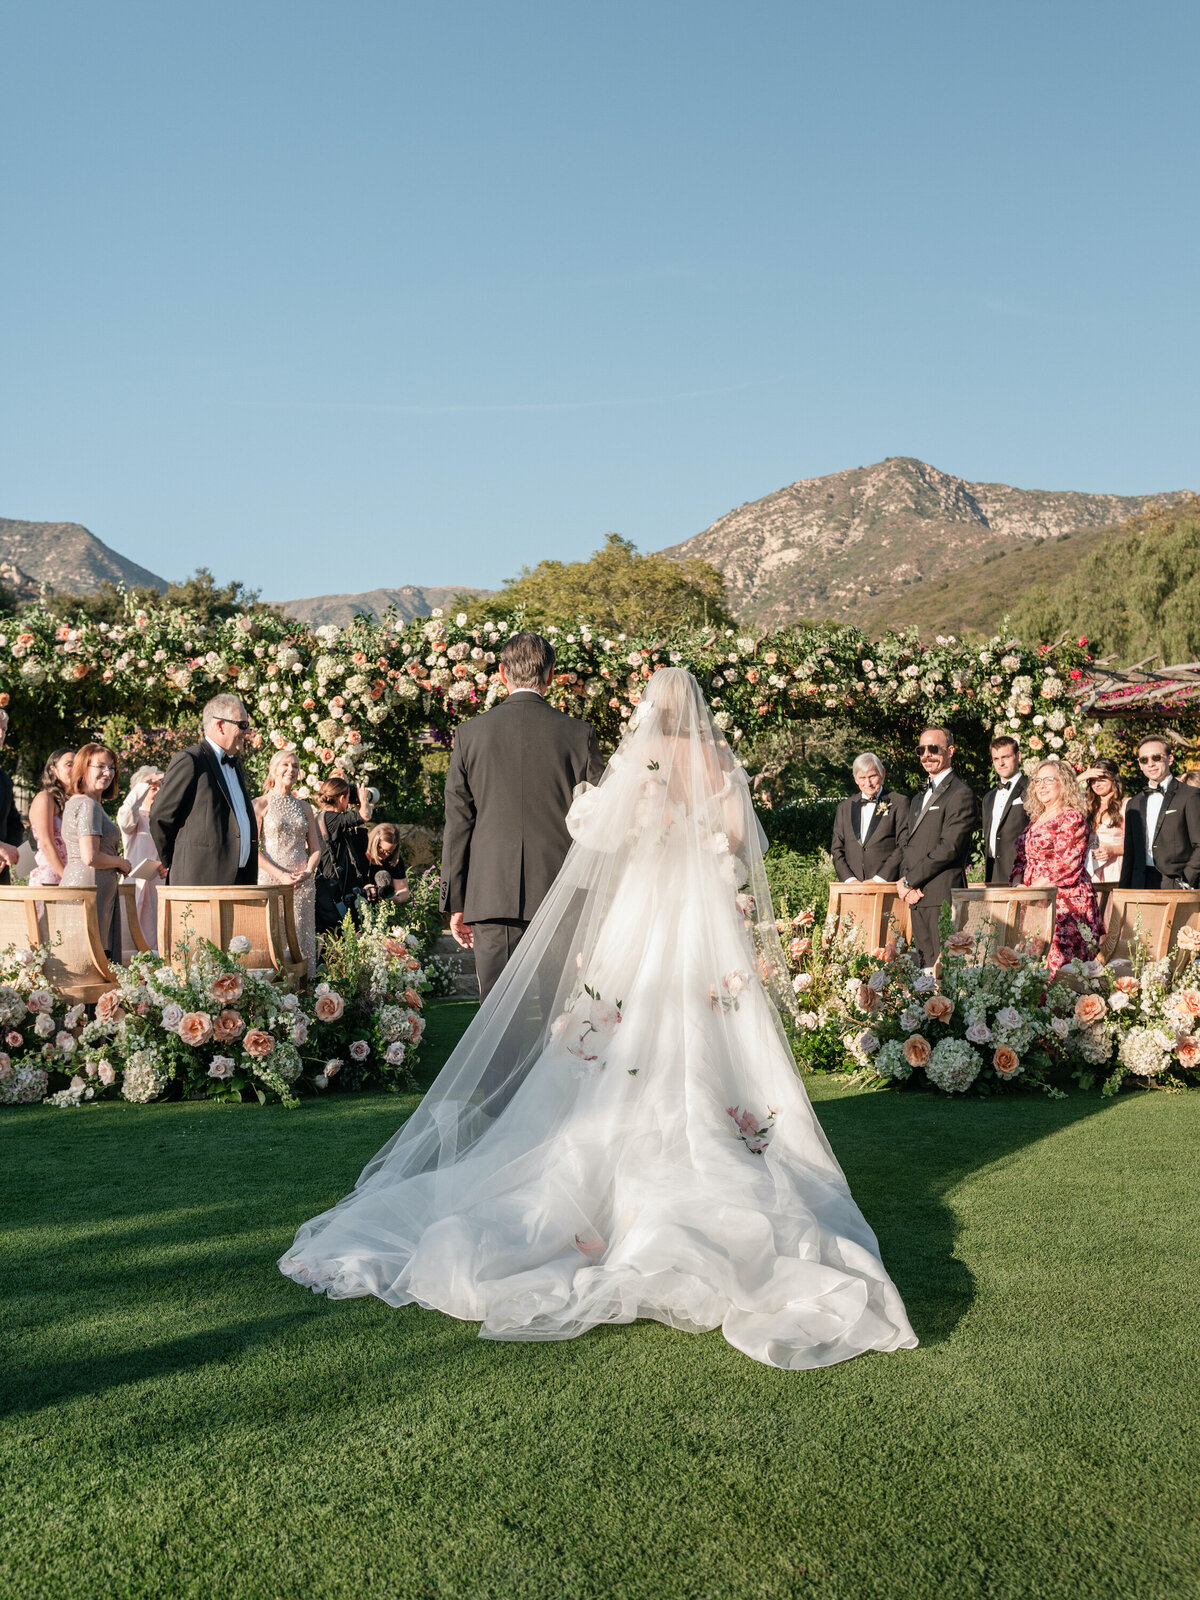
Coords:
1005,1060
1127,985
960,944
1189,939
1187,1048
258,1044
1007,957
939,1007
227,1025
917,1051
108,1007
1089,1008
1191,1001
228,987
412,998
804,920
195,1028
798,948
868,998
329,1007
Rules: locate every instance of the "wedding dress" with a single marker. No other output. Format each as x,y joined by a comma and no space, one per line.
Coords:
621,1132
285,840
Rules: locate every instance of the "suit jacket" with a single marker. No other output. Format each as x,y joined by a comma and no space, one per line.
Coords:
1013,822
1176,842
938,846
12,829
193,824
512,774
886,838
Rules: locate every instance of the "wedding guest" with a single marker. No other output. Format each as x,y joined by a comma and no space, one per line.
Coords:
1004,816
93,840
1192,777
289,848
870,828
1106,804
202,822
133,819
385,861
1050,854
941,824
12,831
343,867
45,818
1162,826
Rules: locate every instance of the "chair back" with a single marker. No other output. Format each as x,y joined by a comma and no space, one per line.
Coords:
261,913
1150,917
63,921
1015,914
875,908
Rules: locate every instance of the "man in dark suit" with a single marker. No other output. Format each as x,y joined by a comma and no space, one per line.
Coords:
1004,817
203,818
870,829
12,830
512,774
1162,826
941,824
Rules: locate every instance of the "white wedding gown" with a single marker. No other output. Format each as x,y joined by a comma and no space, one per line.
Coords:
621,1132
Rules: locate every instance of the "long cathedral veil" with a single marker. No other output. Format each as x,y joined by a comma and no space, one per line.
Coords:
621,1132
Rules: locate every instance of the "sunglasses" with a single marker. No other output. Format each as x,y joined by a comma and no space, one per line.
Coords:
932,749
1150,761
230,723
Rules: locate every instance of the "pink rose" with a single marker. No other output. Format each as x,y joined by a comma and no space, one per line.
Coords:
196,1028
227,988
13,1039
917,1051
227,1026
412,998
1191,1001
360,1049
329,1007
1005,1060
258,1044
222,1067
1187,1048
106,1074
1007,957
1089,1008
939,1007
108,1007
960,944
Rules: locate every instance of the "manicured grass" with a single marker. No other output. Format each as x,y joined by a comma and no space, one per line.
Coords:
181,1420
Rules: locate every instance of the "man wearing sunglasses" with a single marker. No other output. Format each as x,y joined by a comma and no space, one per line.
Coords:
1162,826
941,825
203,819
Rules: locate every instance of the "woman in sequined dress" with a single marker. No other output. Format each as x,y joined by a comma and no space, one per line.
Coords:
290,846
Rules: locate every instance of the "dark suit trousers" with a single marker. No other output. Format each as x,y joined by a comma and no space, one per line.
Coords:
1154,879
494,946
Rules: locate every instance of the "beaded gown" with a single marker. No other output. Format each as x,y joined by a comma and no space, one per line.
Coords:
1056,848
285,840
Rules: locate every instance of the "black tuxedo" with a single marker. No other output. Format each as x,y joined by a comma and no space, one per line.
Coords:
193,824
879,856
936,854
1176,842
12,830
512,775
1013,823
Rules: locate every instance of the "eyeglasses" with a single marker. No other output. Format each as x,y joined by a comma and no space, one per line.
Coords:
1151,761
1049,778
230,723
932,749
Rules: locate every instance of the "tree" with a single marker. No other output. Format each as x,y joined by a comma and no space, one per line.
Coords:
617,590
200,595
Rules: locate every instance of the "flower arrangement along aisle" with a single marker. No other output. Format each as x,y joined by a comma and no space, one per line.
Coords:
39,1029
368,1016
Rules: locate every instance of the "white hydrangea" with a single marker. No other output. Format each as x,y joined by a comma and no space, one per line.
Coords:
953,1066
890,1062
1142,1051
144,1079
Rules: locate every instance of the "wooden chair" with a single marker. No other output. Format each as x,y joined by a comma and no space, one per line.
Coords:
1015,914
1151,917
133,939
64,922
262,913
875,908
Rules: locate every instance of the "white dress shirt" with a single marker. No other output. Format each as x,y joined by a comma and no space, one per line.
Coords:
998,805
865,817
930,794
236,799
1154,805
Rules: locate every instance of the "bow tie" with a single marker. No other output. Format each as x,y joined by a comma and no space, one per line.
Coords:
227,760
1005,787
1157,788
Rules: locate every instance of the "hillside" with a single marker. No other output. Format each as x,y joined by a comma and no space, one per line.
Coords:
409,601
66,557
854,541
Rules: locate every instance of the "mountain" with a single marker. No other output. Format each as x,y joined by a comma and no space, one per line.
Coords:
66,557
408,602
853,542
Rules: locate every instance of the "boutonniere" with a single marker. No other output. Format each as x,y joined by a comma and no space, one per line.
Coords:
882,807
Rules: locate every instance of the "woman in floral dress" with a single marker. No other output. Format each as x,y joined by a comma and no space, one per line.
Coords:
1050,854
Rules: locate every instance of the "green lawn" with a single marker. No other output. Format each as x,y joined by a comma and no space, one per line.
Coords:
181,1420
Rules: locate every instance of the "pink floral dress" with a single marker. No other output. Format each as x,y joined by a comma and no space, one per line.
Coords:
1055,848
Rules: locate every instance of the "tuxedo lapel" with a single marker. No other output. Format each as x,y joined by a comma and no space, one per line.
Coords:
214,769
1168,796
856,818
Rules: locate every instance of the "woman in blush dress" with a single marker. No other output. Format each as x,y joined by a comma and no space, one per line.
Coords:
1106,804
1050,854
289,846
45,818
133,818
92,839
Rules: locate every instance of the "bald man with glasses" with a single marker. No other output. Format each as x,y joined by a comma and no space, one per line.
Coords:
1162,826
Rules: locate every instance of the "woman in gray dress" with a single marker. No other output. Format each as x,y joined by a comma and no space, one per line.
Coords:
93,840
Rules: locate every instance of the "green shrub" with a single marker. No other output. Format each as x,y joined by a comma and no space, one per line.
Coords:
806,827
799,882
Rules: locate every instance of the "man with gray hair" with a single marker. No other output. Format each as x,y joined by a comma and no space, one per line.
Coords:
512,776
870,829
202,821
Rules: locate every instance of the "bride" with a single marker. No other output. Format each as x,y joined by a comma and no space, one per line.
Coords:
621,1132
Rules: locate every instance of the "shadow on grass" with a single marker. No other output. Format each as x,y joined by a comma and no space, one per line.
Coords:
903,1154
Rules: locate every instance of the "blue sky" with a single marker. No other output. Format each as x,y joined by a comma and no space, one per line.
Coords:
331,297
